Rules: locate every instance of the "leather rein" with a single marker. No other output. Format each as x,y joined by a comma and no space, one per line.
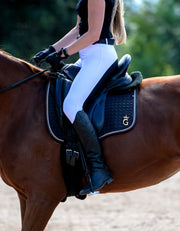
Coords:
22,81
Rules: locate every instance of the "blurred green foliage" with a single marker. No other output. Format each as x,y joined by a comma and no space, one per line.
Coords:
153,31
31,25
154,37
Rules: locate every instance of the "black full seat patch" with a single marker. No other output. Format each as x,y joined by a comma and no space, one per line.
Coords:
120,114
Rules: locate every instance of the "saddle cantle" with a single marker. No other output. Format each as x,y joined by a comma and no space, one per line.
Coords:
111,111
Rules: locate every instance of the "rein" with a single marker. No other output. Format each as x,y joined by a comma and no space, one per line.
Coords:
22,81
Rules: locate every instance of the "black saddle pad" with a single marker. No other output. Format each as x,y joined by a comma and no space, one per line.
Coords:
120,114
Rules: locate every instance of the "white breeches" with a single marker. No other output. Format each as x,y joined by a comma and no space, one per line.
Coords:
94,62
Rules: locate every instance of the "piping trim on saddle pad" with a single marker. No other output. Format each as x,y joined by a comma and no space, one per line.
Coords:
47,116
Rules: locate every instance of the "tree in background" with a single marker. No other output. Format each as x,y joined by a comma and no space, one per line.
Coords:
154,37
152,27
31,25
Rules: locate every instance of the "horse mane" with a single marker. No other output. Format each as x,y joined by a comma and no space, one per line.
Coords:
28,65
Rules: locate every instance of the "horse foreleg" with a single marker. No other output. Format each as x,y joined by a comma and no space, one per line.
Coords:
38,212
22,201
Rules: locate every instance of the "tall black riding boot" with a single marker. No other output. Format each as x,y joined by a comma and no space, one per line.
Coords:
100,174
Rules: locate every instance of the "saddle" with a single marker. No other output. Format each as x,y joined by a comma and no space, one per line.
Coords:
111,108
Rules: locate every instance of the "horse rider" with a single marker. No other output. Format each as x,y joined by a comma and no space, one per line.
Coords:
99,24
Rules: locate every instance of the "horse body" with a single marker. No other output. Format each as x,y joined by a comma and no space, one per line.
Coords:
29,157
149,153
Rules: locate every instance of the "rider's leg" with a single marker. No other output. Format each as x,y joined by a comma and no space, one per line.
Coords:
95,60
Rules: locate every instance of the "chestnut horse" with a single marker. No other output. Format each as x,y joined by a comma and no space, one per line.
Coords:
30,158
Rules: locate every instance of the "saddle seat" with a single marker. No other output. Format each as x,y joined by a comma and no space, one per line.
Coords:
119,77
117,83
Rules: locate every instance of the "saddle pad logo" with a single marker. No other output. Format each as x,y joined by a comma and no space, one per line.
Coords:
126,120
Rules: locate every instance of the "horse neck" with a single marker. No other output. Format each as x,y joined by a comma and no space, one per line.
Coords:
22,100
13,69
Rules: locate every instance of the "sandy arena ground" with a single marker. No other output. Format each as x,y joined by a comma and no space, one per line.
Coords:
156,208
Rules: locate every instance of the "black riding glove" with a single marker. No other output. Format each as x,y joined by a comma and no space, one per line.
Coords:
43,54
54,59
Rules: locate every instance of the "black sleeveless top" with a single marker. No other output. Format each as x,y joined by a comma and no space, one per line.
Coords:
82,9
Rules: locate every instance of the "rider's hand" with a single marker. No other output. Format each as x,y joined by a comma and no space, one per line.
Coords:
43,54
54,59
